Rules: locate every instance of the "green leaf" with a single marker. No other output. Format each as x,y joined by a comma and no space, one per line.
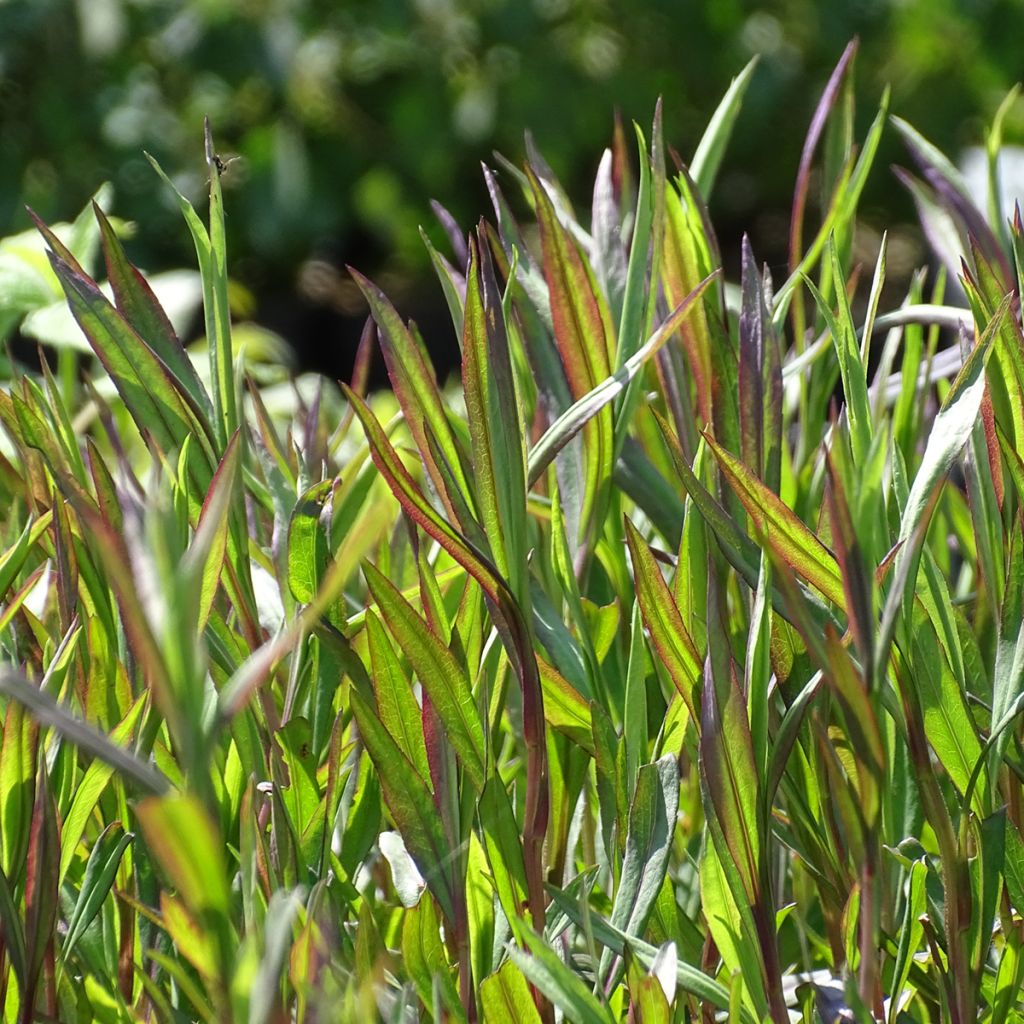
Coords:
416,389
424,957
798,547
543,968
138,305
565,708
947,719
949,433
187,846
411,804
46,711
505,997
158,403
711,148
671,641
652,819
499,460
504,850
18,754
727,767
100,869
443,678
910,934
582,411
852,367
90,788
396,703
585,339
689,978
308,550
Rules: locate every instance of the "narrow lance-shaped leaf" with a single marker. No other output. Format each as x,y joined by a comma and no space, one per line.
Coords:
216,303
671,641
100,869
949,433
411,804
40,886
143,381
396,703
652,818
585,341
797,545
139,306
416,389
46,711
708,156
569,423
494,422
440,674
852,368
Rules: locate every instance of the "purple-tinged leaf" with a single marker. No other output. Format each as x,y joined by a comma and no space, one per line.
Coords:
814,133
760,379
416,389
40,894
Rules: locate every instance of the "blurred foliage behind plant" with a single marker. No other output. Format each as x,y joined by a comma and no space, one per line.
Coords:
347,115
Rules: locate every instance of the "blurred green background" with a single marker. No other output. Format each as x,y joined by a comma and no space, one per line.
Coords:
347,117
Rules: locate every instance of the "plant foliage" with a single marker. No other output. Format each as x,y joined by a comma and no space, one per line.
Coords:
668,666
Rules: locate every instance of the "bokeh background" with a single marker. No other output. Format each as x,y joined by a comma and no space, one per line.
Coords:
348,116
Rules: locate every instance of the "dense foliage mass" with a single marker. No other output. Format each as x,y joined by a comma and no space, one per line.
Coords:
666,667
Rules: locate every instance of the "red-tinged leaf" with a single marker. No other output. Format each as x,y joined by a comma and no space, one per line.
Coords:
411,805
158,405
415,504
499,460
673,644
582,411
139,306
1005,390
585,339
511,625
861,725
115,559
440,674
40,889
728,771
681,269
952,190
416,388
13,559
799,548
858,580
